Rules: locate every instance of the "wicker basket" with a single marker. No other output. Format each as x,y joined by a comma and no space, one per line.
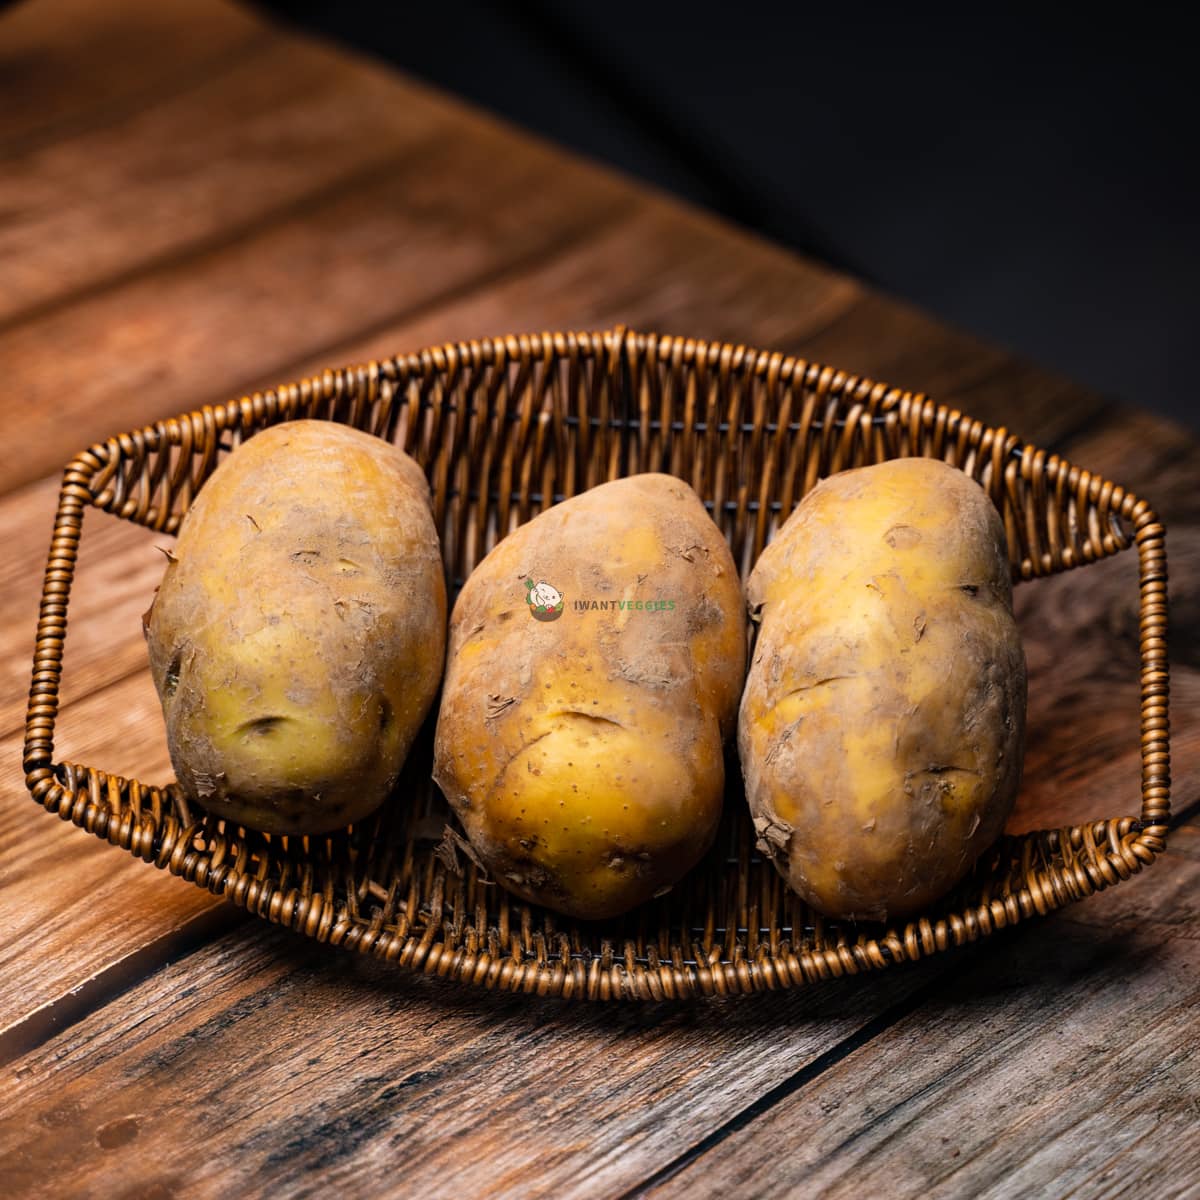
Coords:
504,428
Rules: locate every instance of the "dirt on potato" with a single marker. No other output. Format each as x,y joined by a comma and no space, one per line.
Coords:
881,731
583,753
298,636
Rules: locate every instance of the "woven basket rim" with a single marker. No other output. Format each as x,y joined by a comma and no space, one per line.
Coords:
131,475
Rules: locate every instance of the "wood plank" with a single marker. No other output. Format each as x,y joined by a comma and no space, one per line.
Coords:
176,932
71,65
89,735
73,909
336,1073
236,152
118,568
681,272
348,1076
352,1074
672,270
435,225
1064,1065
575,287
1080,766
1080,630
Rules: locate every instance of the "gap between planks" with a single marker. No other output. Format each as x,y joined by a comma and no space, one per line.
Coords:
119,977
831,1056
310,1072
793,1083
836,1054
111,983
135,671
122,108
229,237
1062,1036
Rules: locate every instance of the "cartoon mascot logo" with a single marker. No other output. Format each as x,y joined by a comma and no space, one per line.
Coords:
545,602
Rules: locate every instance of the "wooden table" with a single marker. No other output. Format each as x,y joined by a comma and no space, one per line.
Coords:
194,206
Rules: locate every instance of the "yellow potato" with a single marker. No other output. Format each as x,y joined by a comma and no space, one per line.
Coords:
298,636
596,659
882,724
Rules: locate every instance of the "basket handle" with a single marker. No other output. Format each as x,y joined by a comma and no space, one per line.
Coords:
1149,537
40,716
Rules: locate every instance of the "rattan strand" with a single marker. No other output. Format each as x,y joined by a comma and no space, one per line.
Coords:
504,428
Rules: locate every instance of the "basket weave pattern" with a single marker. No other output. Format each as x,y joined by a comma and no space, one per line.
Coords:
504,428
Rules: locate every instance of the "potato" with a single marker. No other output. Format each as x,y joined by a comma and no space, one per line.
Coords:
298,636
882,724
596,659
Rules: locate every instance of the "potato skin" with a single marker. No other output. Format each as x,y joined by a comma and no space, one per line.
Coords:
882,725
583,754
298,636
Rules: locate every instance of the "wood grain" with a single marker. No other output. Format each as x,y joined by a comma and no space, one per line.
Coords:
426,227
400,1086
73,908
345,1133
68,66
390,1085
295,297
119,567
1064,1066
235,153
341,214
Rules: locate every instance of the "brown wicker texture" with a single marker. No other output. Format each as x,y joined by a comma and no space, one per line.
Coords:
504,428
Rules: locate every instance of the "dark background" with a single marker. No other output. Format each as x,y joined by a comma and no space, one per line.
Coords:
1022,174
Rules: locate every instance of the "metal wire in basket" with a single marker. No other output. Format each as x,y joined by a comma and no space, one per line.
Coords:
504,428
